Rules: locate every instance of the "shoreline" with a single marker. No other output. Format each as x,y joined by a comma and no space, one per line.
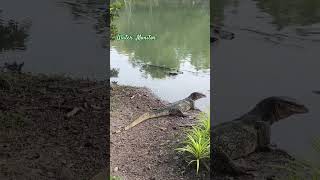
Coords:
147,151
55,127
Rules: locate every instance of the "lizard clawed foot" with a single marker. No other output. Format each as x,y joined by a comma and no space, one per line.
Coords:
182,115
245,171
178,113
196,109
270,148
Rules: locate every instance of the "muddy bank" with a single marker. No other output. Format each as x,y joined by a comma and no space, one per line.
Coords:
146,151
52,127
274,165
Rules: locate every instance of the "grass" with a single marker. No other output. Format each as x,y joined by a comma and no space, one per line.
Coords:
115,178
197,142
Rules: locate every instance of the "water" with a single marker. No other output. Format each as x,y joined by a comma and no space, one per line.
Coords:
254,66
62,37
181,29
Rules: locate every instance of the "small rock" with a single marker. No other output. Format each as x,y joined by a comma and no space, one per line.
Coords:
36,171
163,128
174,128
117,131
33,156
116,169
51,174
59,153
66,173
88,144
63,161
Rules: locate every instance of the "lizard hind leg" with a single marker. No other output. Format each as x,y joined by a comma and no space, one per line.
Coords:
177,112
223,164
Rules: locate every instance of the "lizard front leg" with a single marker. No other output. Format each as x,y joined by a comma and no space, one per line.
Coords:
264,135
177,112
193,107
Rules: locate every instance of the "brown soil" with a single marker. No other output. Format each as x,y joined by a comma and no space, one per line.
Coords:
38,141
147,151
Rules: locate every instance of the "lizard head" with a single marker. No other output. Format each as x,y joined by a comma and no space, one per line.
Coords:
276,108
196,95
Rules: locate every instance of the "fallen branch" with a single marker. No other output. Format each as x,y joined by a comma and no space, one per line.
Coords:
93,88
74,112
96,107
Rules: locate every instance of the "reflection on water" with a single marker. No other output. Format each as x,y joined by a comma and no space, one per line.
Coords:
275,52
217,10
90,10
184,37
181,29
289,12
58,40
13,35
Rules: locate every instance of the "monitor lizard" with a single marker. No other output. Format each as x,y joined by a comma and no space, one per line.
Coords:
250,133
177,108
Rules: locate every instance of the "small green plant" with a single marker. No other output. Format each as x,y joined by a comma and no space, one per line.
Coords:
197,143
115,178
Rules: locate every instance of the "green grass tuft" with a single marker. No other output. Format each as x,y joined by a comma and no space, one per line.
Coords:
115,178
197,143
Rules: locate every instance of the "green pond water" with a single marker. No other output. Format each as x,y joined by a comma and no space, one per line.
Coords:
180,31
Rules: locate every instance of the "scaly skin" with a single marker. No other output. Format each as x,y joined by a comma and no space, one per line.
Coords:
177,109
249,133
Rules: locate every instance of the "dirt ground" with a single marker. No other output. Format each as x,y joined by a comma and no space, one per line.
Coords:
52,127
147,151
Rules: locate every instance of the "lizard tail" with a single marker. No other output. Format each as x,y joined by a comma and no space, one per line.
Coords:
142,118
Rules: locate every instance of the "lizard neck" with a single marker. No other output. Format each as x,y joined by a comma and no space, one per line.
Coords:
262,115
189,99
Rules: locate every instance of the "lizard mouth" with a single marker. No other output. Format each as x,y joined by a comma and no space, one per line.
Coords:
300,109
